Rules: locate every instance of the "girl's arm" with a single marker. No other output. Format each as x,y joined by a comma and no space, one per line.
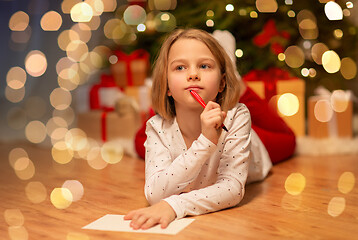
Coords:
166,175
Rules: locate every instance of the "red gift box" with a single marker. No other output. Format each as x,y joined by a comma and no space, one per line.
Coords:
132,69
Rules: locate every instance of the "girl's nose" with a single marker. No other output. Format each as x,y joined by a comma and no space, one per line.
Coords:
193,77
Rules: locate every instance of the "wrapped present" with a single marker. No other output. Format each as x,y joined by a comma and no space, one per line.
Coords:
132,69
106,125
277,87
105,93
330,114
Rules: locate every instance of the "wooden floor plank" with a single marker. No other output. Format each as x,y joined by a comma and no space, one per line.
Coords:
267,211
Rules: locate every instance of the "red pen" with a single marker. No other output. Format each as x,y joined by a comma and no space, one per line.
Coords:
202,103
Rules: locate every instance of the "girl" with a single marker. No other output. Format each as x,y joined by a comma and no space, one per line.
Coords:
192,166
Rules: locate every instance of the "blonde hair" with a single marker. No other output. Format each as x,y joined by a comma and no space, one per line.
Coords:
164,104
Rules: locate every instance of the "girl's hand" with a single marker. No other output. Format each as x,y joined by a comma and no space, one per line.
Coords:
211,120
160,213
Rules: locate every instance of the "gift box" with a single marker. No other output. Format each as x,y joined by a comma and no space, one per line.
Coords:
105,125
330,115
271,85
132,69
105,93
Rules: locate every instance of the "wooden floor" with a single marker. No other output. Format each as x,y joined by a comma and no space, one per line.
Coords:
322,210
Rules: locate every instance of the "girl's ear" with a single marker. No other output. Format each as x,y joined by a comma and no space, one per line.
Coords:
222,83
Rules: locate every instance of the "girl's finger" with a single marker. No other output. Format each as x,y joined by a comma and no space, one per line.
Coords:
149,223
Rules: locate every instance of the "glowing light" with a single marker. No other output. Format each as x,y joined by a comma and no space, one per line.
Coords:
109,5
141,27
209,23
333,11
165,26
66,37
35,63
288,2
253,14
266,6
338,33
242,12
77,51
51,21
92,25
163,5
95,160
165,17
307,24
288,104
24,168
317,51
295,183
114,29
15,154
68,115
14,217
348,68
291,14
36,192
112,153
61,153
323,110
331,61
229,7
81,12
312,72
210,13
134,15
294,56
21,36
349,4
16,77
19,21
76,139
83,31
305,72
14,95
97,6
346,182
281,57
68,4
339,100
239,53
61,198
75,187
60,98
35,131
336,206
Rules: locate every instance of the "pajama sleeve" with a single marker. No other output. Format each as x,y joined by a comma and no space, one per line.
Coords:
232,172
166,176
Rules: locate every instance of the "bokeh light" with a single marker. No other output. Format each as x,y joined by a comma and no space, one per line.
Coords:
35,63
336,206
14,217
346,182
61,198
340,100
331,61
66,37
35,131
75,187
165,22
15,154
19,21
109,5
68,114
36,192
16,77
230,7
61,153
81,12
60,98
348,68
134,15
14,95
24,168
18,232
266,6
97,6
294,56
288,104
114,29
323,110
77,50
76,139
21,37
307,24
295,183
83,30
95,160
67,5
317,51
51,21
210,23
333,11
112,152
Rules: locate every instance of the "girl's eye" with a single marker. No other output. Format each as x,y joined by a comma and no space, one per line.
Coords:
204,66
179,68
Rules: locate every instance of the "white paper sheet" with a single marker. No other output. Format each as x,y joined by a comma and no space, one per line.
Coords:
112,222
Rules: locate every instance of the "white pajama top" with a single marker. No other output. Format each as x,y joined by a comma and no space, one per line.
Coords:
205,177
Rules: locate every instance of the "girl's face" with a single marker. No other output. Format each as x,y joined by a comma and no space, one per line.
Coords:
192,66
